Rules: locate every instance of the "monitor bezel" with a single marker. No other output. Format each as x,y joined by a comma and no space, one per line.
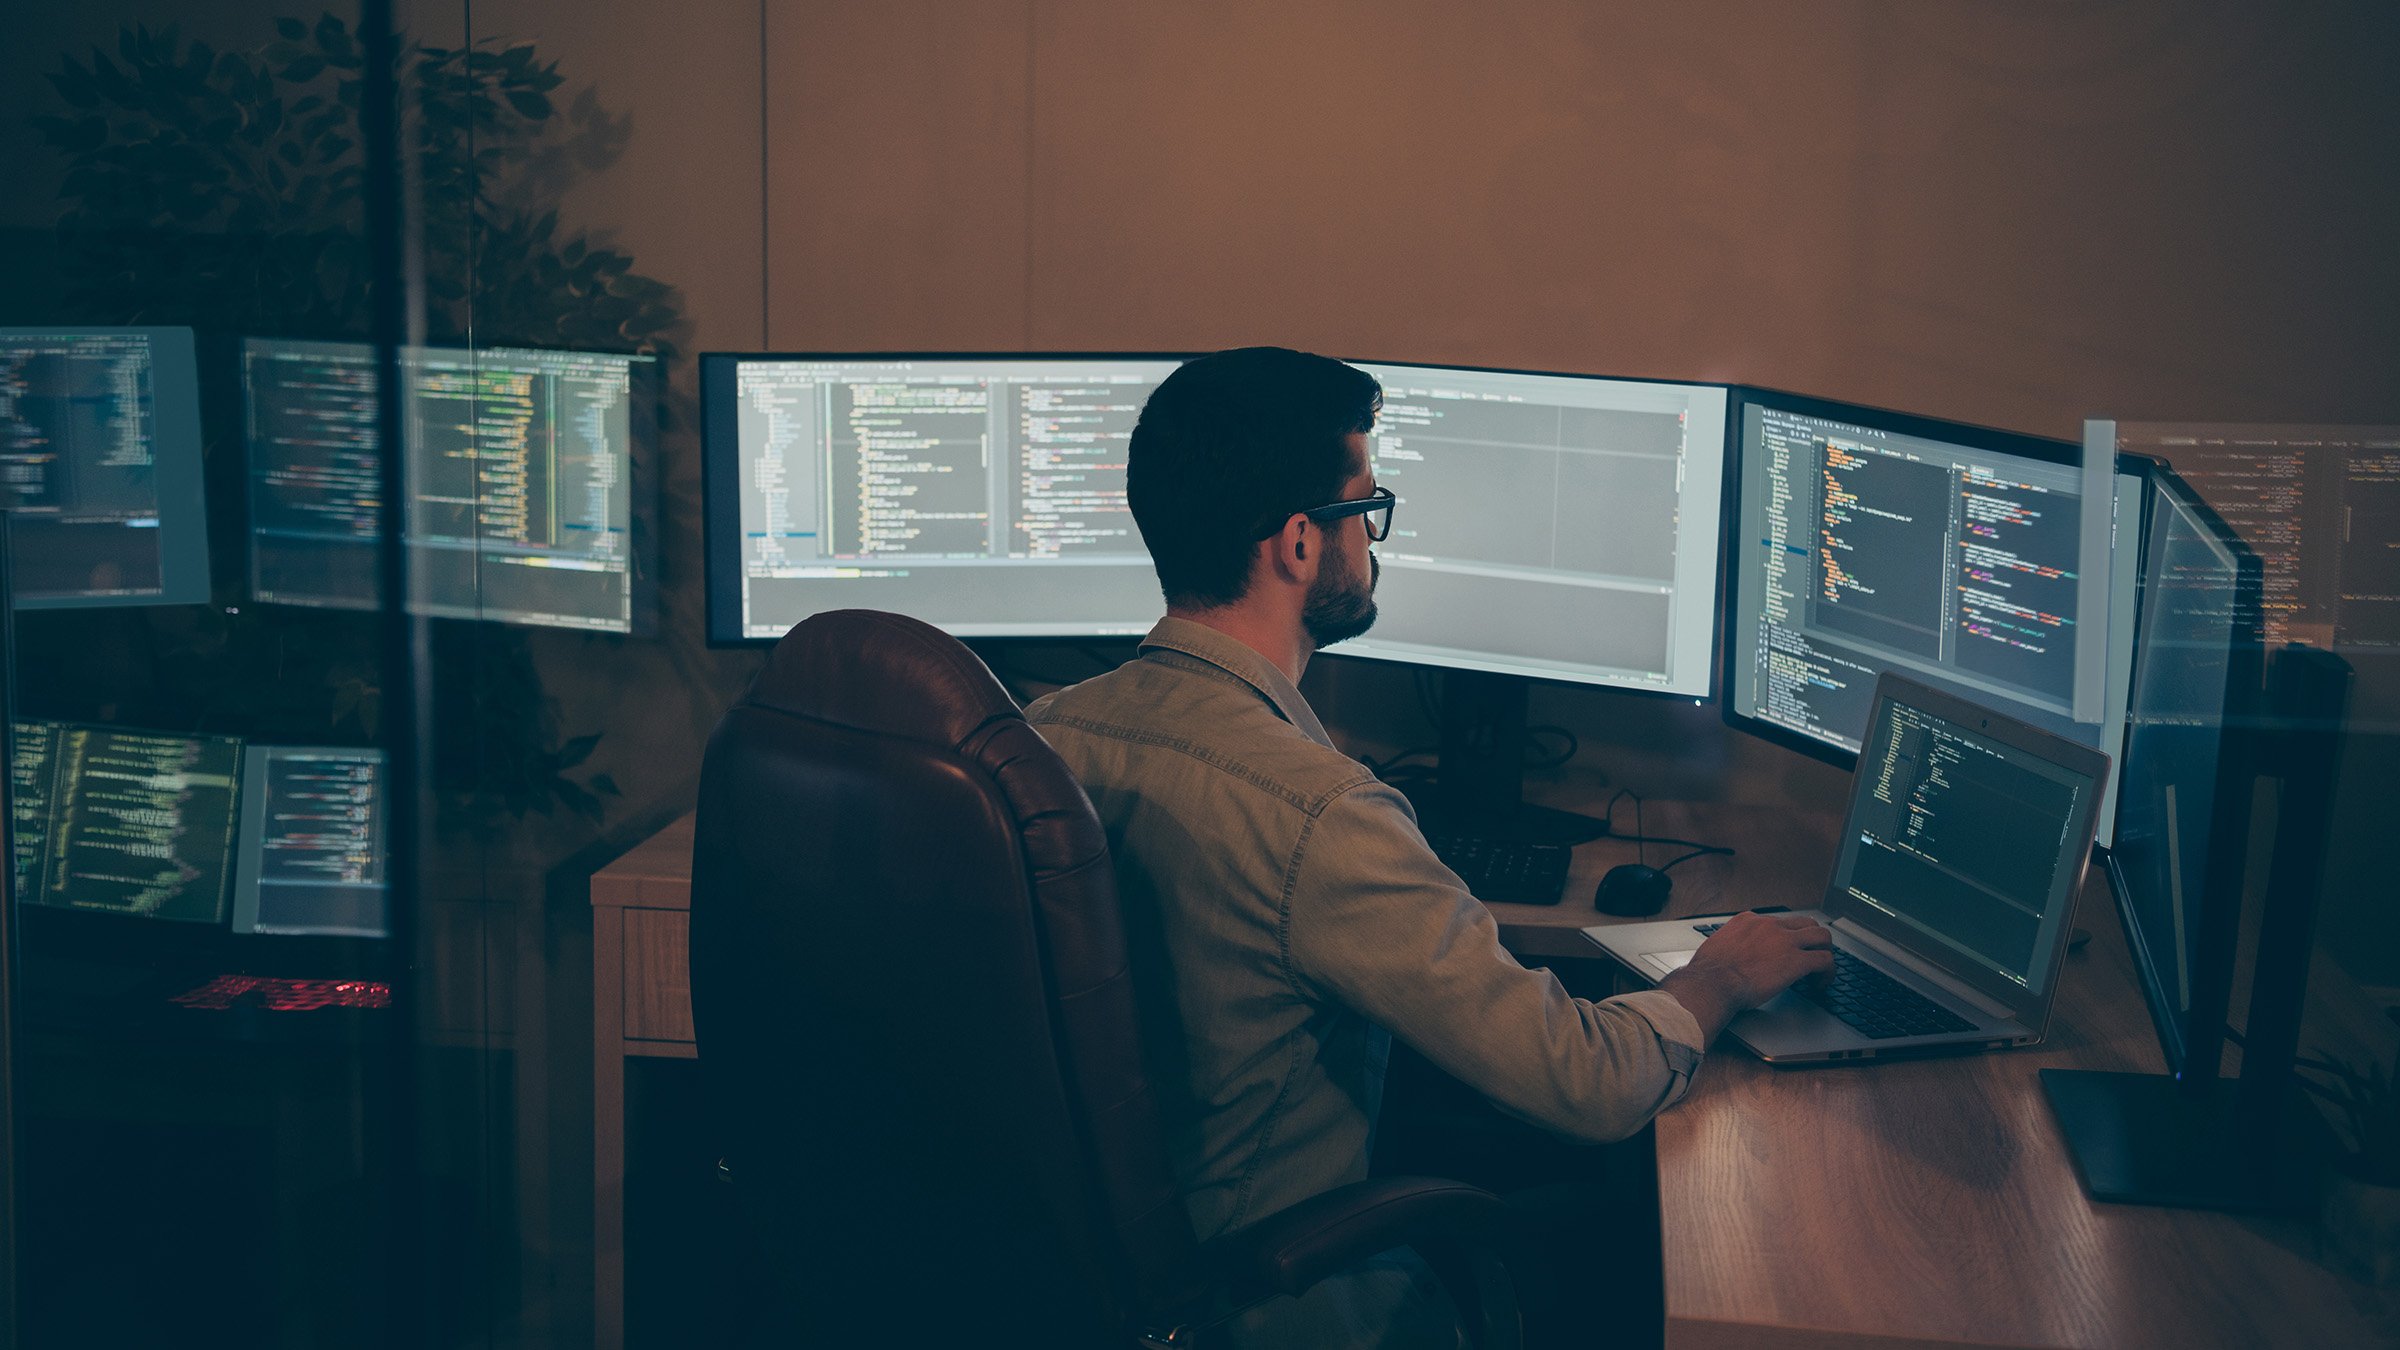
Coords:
720,488
176,467
1970,435
2199,1035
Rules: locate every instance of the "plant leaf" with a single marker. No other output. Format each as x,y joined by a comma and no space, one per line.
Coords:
531,105
291,28
576,751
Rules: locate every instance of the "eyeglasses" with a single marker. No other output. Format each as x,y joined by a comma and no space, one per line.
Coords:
1376,507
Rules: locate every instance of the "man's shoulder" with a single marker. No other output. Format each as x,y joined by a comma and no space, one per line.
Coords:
1149,708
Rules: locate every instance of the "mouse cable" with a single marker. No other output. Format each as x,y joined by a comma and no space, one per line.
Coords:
1382,767
1667,839
1698,851
1639,837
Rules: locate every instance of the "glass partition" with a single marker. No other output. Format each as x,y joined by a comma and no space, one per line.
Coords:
213,796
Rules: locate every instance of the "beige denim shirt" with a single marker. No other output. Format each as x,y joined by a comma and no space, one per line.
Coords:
1284,911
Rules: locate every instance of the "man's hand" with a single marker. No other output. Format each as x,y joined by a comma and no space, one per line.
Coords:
1751,959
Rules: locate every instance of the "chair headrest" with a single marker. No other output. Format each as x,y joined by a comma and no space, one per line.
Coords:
883,673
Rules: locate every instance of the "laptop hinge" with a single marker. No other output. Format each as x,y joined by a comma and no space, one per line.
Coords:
1857,935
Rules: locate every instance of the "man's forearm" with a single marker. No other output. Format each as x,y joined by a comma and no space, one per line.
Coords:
1707,996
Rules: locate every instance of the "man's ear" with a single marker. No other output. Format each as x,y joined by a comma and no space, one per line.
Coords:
1291,553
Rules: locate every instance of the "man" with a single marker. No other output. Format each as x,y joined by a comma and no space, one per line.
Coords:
1287,909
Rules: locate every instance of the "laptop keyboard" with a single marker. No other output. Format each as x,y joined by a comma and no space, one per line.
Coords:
1504,870
1873,1003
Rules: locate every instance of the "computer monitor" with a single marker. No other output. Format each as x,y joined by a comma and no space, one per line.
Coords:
2203,727
311,857
122,822
522,469
982,494
1555,527
100,466
1864,540
2183,814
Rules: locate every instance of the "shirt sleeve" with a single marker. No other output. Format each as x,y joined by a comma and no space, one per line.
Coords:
1374,921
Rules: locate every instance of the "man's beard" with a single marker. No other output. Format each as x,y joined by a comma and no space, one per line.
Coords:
1339,607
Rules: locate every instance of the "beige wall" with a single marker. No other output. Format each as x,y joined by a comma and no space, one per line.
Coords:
2019,215
2014,214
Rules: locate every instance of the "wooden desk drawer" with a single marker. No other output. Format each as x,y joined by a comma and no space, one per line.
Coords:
658,979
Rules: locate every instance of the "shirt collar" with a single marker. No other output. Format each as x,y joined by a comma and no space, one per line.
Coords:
1235,658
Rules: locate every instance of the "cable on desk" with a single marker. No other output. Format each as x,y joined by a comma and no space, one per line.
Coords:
1639,837
1701,851
1382,767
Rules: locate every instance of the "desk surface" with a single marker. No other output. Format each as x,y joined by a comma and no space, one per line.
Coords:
1932,1201
1924,1202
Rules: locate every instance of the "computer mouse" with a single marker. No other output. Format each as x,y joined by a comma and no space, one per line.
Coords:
1632,889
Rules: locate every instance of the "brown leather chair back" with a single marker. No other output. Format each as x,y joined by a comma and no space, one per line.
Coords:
914,1014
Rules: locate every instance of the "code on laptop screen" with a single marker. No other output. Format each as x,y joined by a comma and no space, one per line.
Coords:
1964,840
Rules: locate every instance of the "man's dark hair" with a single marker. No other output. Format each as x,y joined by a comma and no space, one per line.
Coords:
1227,448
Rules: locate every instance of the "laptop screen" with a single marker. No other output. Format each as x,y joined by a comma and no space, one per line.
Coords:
1967,839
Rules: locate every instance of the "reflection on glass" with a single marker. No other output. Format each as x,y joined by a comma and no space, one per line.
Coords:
125,822
100,466
520,464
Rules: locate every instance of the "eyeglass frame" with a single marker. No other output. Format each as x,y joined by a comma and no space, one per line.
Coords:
1382,499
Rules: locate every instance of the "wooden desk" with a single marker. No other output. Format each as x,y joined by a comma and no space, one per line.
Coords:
1914,1203
1931,1202
641,1005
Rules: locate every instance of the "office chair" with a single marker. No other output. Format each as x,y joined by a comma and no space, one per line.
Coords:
916,1023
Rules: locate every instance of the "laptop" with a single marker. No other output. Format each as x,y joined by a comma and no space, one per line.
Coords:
1951,904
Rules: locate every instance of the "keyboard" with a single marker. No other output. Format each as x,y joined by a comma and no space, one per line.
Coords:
1874,1004
1506,871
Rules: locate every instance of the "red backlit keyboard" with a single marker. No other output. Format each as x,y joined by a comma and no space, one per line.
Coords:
282,995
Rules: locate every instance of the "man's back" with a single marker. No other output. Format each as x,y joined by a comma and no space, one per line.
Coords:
1207,794
1283,912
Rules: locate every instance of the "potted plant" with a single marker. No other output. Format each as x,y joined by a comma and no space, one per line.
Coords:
2361,1210
222,189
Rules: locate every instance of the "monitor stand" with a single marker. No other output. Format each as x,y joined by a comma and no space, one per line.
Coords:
2146,1139
1479,784
2249,1143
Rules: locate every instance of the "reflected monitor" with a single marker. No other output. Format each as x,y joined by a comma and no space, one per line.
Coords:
1558,527
114,821
100,466
982,494
2320,506
521,469
312,843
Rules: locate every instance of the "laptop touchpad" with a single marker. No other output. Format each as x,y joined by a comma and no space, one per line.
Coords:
1663,964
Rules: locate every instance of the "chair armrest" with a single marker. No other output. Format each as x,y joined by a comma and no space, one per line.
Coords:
1287,1252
